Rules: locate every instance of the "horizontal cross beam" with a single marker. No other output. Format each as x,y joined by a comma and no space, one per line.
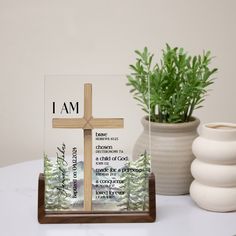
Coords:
88,124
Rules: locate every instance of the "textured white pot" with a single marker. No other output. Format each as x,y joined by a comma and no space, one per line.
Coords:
214,170
171,154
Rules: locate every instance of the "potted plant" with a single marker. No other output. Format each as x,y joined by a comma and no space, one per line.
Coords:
169,92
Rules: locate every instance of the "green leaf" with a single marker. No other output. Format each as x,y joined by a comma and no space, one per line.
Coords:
179,83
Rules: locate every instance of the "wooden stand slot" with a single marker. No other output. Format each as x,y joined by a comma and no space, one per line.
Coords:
65,217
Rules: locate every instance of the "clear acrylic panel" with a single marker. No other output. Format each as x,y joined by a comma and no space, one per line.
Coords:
91,126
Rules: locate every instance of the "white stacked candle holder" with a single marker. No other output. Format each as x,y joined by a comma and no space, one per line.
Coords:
214,168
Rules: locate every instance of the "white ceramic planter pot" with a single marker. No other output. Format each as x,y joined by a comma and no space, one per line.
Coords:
171,154
214,169
213,198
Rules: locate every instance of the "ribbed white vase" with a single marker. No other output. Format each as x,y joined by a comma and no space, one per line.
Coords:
214,168
171,152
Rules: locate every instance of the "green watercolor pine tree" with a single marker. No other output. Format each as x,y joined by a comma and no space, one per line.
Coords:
57,182
50,182
125,199
143,163
135,177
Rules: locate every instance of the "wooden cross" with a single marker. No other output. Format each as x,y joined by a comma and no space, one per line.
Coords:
87,123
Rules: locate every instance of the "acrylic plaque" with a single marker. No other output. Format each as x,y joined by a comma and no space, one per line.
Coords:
91,126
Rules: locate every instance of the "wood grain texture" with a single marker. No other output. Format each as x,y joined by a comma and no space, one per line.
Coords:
45,217
68,123
87,169
106,123
87,148
87,101
92,123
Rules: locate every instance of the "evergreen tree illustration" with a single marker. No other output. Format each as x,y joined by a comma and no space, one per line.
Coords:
57,182
142,177
63,181
127,201
50,176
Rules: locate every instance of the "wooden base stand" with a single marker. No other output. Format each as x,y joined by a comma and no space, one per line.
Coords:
45,217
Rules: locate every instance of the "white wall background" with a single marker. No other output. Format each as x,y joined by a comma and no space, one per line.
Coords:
98,37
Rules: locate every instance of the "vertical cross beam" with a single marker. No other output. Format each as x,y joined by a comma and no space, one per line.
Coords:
87,148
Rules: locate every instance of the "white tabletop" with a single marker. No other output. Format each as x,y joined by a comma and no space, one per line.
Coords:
177,215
